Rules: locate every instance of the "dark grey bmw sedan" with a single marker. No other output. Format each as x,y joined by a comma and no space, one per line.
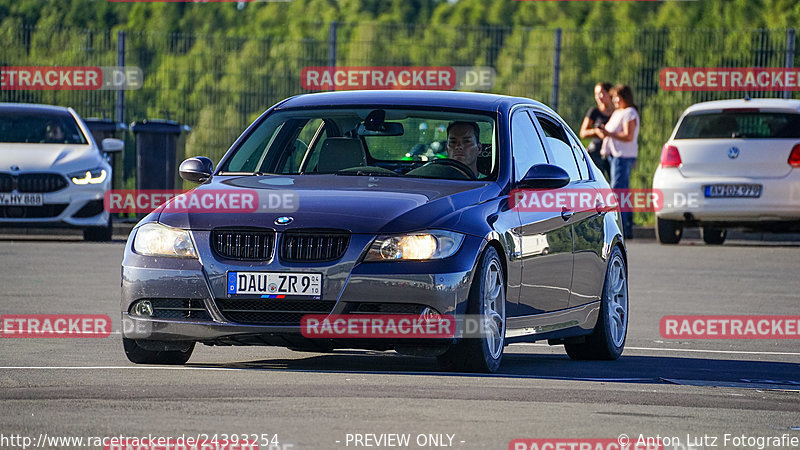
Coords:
321,210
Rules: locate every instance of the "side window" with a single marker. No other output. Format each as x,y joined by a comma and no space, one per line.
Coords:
580,156
525,143
561,150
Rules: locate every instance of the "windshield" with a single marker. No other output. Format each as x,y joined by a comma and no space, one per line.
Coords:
370,142
745,124
39,128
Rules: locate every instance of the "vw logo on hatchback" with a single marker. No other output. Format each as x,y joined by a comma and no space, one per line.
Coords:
733,152
284,220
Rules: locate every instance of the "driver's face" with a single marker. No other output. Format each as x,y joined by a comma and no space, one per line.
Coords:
462,146
54,132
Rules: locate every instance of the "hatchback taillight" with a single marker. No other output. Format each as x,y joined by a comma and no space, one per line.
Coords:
670,156
794,156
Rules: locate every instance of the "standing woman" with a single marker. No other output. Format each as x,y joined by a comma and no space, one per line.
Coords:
596,117
620,143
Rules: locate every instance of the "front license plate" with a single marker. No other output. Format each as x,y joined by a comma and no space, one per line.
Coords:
21,199
274,283
733,190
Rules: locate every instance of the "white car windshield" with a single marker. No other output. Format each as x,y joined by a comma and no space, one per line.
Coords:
39,128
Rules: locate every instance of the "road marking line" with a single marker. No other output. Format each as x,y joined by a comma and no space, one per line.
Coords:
690,350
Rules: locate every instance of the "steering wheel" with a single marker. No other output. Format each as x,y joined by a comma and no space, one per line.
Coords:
458,165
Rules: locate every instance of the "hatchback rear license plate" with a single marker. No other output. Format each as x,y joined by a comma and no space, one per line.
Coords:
733,190
278,283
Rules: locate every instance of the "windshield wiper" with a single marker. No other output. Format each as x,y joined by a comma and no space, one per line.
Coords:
371,173
245,173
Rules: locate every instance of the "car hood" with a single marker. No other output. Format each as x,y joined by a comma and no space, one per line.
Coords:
360,204
48,157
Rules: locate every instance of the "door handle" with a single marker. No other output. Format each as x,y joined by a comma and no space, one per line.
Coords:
566,214
600,206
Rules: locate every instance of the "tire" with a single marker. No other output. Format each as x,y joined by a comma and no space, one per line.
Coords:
145,352
669,231
487,300
714,235
608,338
98,234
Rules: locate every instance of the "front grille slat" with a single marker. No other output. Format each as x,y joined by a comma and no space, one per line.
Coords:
32,212
313,245
271,312
32,182
245,244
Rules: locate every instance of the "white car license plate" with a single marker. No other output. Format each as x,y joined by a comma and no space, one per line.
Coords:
21,199
275,283
733,190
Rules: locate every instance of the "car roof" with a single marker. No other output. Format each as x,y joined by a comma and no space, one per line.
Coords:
420,98
761,103
34,108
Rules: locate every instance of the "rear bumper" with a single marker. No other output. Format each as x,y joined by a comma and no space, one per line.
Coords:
684,199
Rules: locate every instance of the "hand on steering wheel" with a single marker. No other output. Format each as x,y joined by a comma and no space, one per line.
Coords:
456,164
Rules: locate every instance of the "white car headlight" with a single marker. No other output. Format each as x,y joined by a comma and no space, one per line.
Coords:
155,239
92,176
432,244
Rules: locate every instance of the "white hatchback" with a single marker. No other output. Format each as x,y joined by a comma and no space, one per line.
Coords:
52,171
731,163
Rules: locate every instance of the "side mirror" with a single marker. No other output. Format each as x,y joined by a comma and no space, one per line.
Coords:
197,169
111,145
544,176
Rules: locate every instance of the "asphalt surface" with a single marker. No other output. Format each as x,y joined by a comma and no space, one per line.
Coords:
680,391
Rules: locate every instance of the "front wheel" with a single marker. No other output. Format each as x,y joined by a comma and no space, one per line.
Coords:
157,352
608,338
487,303
98,234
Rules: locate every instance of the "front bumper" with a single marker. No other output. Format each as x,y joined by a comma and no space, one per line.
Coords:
64,208
685,197
441,285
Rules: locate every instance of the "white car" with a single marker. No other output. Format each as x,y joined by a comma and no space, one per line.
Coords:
52,171
731,163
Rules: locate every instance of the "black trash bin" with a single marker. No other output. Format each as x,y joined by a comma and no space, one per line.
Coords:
156,152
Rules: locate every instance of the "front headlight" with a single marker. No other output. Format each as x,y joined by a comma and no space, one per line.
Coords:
93,176
432,244
154,239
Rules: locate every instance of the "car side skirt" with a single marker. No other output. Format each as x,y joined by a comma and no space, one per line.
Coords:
570,322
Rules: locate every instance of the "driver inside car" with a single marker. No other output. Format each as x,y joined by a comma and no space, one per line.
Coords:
463,144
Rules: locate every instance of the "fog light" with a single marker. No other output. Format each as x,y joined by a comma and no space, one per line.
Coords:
428,314
143,308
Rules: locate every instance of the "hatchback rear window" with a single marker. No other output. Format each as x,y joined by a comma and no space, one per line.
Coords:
726,125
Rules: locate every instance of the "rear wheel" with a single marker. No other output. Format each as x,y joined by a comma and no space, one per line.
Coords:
669,231
157,352
608,338
714,235
487,301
